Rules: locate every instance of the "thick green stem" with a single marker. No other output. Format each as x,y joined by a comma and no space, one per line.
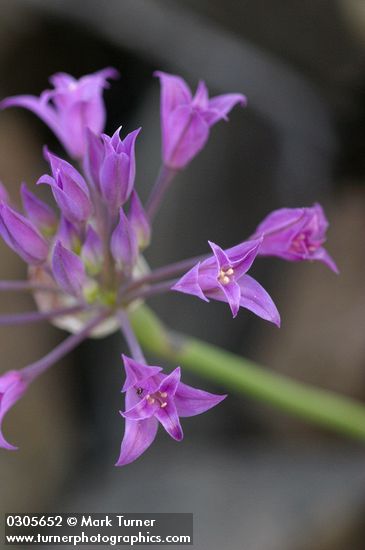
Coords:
240,375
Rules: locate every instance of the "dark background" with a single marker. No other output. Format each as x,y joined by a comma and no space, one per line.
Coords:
254,478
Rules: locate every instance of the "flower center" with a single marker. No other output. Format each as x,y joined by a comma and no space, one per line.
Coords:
226,275
160,397
302,243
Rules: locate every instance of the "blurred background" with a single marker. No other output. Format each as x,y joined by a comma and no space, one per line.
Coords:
253,477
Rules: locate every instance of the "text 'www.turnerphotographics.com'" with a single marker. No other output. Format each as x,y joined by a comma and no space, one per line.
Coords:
98,529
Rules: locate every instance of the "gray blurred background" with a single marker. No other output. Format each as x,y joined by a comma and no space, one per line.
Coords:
254,478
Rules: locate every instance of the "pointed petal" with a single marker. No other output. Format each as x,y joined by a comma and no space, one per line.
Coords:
201,97
255,298
323,256
40,108
138,436
142,410
232,293
170,382
37,211
190,401
219,107
124,245
68,270
136,373
22,236
93,157
12,388
189,283
186,133
174,92
170,420
220,256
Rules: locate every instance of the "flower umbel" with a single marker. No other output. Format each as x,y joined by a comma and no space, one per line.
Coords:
84,254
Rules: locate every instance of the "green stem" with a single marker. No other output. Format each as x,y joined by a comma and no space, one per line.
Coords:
237,374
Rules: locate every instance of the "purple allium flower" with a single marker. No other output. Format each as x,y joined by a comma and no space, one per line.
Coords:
71,107
22,236
186,120
223,277
124,244
118,168
69,189
153,397
68,270
38,212
295,234
12,388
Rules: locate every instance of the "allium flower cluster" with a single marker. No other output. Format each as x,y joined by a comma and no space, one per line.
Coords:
85,252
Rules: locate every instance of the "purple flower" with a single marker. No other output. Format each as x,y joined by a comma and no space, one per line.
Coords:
223,277
22,236
186,120
124,245
295,234
70,107
12,388
38,212
153,397
117,168
69,189
68,270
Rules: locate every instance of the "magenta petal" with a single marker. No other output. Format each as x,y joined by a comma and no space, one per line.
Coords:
188,133
219,107
124,245
170,382
323,256
136,373
93,157
142,410
232,293
68,270
189,284
139,221
138,436
37,211
170,420
190,401
40,108
22,236
12,388
255,298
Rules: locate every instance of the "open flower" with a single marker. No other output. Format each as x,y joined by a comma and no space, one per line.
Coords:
12,388
70,107
223,277
295,234
152,398
186,120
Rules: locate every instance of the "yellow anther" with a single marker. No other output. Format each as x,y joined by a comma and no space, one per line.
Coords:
229,271
163,394
150,400
163,405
